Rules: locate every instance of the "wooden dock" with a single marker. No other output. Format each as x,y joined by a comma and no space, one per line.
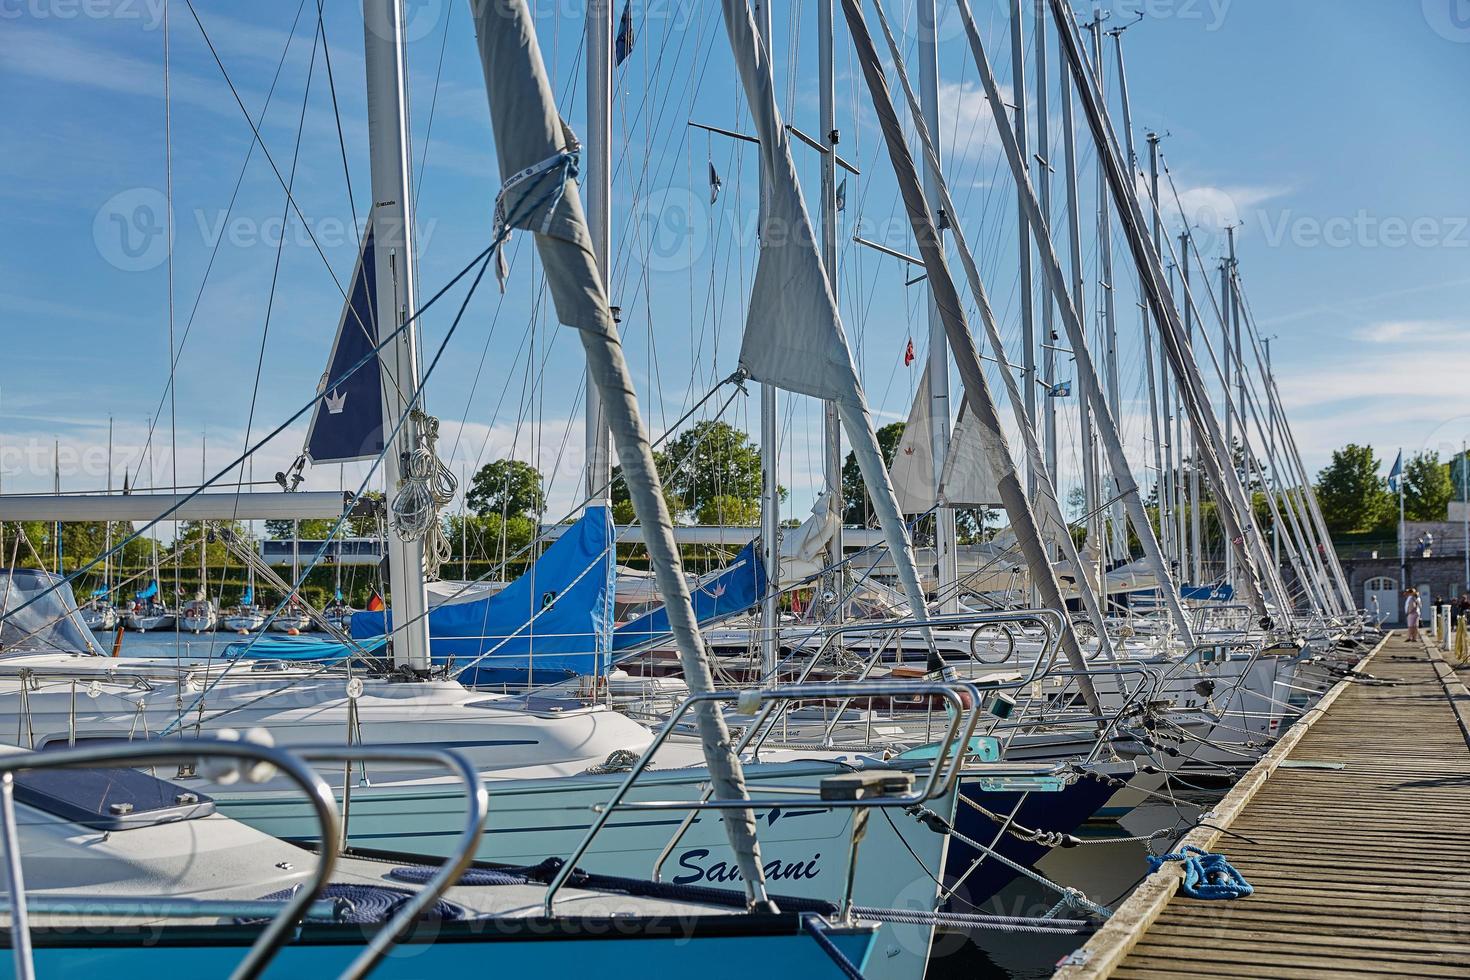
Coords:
1354,831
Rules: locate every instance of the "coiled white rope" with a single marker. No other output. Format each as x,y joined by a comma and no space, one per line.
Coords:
425,488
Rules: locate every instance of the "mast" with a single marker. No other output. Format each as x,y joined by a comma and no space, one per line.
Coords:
827,123
1118,536
1084,383
387,103
1023,228
203,479
107,527
598,156
1227,301
1158,433
946,564
56,488
1196,525
1169,495
1043,189
770,620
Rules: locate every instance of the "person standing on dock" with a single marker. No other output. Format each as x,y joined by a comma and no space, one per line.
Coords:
1411,613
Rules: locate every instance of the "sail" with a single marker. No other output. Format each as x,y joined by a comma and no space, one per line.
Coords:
536,154
557,617
804,549
733,589
969,478
794,337
348,422
149,592
912,470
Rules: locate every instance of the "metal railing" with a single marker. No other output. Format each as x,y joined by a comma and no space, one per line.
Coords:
286,915
963,719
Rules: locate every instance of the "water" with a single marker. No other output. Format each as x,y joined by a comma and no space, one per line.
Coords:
187,646
1107,872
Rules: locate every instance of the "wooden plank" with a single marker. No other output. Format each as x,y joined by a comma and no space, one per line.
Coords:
1110,944
1338,856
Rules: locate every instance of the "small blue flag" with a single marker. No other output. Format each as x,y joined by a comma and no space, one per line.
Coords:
715,183
842,195
1395,475
623,42
1062,389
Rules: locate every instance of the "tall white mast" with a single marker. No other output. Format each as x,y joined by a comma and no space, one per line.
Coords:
1227,304
598,155
387,105
107,528
1196,526
1043,190
770,467
1088,449
827,123
1118,536
1023,227
1159,433
946,561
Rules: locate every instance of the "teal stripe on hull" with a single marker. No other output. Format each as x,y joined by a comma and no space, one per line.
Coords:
778,957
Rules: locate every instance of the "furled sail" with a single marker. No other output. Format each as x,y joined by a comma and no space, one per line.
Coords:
536,153
794,337
348,422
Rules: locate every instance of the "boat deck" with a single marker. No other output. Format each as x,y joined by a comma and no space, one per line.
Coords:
1352,831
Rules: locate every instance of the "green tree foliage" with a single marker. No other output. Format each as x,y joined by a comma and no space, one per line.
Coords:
507,488
856,507
490,538
1352,494
1427,488
730,511
709,460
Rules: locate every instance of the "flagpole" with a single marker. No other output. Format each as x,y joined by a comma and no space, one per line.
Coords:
1403,557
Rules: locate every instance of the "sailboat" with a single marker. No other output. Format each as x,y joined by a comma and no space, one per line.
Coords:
148,612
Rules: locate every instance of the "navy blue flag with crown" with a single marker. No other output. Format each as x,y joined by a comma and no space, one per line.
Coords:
348,422
1396,475
623,40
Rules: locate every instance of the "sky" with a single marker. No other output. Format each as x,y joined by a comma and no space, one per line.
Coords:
1330,131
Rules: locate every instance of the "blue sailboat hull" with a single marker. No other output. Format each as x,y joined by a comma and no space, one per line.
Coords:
1062,812
710,947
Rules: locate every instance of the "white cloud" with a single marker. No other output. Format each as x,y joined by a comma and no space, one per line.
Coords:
1413,331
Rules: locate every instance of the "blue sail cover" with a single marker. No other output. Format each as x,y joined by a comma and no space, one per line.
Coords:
348,422
570,585
735,589
149,592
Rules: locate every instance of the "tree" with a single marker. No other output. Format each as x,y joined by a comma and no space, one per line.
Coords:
711,459
509,488
1352,494
725,510
311,529
855,503
1427,488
